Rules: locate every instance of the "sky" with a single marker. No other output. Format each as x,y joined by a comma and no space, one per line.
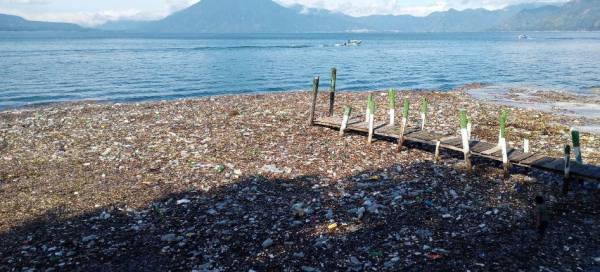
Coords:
96,12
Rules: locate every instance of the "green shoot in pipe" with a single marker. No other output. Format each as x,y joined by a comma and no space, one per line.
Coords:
405,108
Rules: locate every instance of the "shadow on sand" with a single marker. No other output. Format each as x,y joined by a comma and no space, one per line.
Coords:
418,217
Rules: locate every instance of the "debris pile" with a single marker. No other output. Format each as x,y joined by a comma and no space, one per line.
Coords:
242,183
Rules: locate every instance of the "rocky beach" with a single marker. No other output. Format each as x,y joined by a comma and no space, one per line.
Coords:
243,183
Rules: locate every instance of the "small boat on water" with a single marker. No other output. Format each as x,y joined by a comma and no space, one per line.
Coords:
524,37
350,43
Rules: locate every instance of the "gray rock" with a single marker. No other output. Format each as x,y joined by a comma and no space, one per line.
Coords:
183,201
360,212
271,169
171,237
298,209
355,261
104,216
267,243
329,215
424,233
89,238
453,193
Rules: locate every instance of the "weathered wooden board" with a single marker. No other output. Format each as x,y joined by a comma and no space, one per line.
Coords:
520,157
478,148
453,142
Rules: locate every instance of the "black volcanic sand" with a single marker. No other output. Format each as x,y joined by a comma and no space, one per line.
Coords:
241,183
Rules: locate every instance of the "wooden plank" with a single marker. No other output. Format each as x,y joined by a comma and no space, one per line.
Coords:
531,159
453,142
380,126
353,120
520,157
479,147
410,130
428,136
446,138
364,127
513,152
438,136
543,161
483,148
499,152
586,170
492,150
421,135
396,131
555,164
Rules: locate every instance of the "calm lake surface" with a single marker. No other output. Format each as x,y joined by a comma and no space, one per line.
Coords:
38,68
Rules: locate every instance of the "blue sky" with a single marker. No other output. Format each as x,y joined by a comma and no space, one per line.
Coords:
95,12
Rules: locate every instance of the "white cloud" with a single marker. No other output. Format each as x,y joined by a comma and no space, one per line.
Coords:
87,19
25,2
91,19
176,5
399,7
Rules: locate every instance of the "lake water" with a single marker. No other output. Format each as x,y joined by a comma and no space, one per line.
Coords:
37,68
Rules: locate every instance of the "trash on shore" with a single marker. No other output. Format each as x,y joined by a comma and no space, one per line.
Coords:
242,182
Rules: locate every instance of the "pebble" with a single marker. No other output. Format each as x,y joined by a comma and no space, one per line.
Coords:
329,214
271,169
89,238
171,237
104,216
267,243
183,201
360,212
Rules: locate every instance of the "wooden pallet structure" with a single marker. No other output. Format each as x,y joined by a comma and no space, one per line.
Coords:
391,132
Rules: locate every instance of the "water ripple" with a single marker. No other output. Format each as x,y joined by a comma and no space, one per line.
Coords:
35,70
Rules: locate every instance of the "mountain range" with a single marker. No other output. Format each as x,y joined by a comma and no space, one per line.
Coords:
15,23
266,16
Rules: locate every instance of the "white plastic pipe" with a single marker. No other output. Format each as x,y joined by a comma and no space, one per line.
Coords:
504,150
465,140
371,127
344,124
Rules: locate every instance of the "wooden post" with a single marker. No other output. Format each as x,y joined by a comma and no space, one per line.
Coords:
436,158
371,118
332,90
392,104
345,119
465,139
405,110
315,91
502,142
424,110
567,172
526,145
576,146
